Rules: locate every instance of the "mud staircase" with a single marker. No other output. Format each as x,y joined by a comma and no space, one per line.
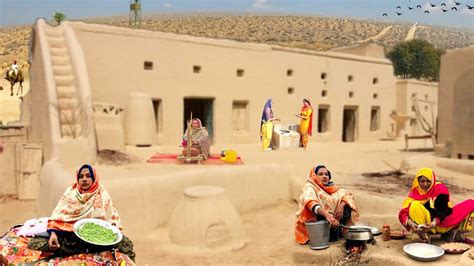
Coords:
69,108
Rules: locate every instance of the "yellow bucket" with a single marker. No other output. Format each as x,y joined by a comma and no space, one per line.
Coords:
230,156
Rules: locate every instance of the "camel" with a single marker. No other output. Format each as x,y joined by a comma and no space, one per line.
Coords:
13,79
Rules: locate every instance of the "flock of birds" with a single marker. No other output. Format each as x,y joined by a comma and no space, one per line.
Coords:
442,6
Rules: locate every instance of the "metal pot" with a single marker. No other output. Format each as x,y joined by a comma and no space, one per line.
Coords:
318,234
358,233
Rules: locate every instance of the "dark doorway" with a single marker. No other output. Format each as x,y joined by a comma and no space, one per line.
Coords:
323,118
201,108
349,124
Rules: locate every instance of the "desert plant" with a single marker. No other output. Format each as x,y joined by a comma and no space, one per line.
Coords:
59,17
417,59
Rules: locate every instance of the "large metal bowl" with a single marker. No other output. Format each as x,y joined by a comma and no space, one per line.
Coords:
359,233
423,252
118,234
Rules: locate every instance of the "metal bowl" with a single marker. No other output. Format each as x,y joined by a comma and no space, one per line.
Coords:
359,233
423,252
118,234
375,231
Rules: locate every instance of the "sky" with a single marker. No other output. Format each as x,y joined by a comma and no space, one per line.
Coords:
20,12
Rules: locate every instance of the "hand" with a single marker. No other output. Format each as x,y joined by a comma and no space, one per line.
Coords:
412,226
430,226
333,222
53,241
339,211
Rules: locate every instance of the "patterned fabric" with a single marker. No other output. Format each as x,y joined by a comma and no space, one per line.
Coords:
70,245
16,250
76,204
314,193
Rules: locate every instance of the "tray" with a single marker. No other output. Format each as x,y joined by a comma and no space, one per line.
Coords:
455,248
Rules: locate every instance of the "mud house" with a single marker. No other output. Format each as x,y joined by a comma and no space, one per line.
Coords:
456,102
225,83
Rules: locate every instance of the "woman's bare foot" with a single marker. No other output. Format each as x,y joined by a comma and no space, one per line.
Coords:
461,238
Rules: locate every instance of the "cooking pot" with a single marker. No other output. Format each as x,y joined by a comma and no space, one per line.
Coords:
359,233
318,234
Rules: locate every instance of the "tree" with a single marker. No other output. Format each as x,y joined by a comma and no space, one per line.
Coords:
59,17
417,59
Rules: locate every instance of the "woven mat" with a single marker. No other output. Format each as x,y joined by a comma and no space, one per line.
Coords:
171,158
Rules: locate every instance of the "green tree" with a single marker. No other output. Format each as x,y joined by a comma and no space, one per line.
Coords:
417,59
59,17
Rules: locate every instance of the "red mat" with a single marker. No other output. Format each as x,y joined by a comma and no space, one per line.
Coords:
170,158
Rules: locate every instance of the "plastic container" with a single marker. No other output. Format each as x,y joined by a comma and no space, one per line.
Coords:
318,234
230,156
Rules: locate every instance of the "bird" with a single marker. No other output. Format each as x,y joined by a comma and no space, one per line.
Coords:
418,6
427,12
454,8
444,10
432,5
385,14
457,3
399,13
410,8
443,4
470,7
399,7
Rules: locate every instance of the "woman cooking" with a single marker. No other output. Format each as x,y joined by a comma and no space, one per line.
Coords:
321,199
428,210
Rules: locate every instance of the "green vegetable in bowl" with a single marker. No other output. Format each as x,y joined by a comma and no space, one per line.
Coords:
95,233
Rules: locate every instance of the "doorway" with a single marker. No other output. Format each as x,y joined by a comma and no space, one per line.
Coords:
202,108
349,124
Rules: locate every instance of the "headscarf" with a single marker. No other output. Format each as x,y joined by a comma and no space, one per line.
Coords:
303,109
77,204
197,133
313,178
265,118
416,193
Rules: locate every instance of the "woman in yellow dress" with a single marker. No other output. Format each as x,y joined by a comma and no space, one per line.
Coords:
306,124
428,210
266,125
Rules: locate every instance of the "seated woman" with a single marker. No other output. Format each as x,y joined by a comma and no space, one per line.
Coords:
322,200
199,138
86,198
428,210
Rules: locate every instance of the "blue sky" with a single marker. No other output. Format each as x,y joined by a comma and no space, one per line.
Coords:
16,12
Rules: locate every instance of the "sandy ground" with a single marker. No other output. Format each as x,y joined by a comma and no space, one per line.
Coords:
270,231
10,105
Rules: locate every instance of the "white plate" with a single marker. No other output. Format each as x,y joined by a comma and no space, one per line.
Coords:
115,230
423,252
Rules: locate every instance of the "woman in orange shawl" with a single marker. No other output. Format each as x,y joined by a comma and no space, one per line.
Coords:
322,200
428,209
306,124
86,198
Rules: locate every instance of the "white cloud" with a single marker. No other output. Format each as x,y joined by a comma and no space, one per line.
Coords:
261,4
166,4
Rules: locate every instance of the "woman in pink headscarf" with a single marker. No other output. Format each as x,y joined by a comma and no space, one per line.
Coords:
428,209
